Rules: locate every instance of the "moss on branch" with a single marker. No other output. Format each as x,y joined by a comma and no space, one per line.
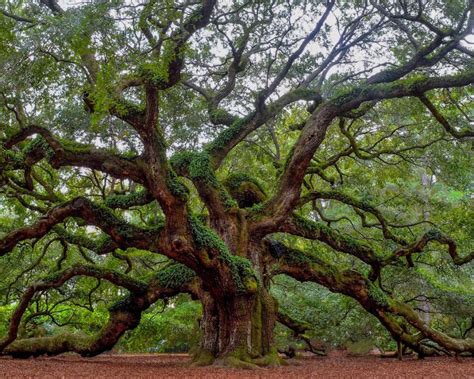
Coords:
128,200
227,135
246,190
198,168
320,231
174,276
241,268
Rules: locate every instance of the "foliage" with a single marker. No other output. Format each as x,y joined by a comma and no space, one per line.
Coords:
171,142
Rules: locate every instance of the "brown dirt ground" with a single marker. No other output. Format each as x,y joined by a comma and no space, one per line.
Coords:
336,365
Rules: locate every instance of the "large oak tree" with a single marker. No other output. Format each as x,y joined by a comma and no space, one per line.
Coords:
120,119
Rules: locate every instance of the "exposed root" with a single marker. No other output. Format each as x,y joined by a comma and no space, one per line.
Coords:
234,362
270,360
205,358
289,353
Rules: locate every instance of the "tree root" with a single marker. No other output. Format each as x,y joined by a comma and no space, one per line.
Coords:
205,358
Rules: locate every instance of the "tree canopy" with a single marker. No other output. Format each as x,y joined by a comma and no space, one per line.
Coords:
224,150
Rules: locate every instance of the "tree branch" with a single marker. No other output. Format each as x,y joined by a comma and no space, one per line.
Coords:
72,154
125,235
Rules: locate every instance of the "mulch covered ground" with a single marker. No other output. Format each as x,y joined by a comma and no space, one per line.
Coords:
336,365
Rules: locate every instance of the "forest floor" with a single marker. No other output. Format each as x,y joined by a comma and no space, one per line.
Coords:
336,365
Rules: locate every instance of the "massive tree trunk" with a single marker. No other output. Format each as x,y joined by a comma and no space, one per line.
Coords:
237,331
237,328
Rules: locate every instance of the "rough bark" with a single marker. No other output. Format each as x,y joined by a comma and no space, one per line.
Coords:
237,331
237,328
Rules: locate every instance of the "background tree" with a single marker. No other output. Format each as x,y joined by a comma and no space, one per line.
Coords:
130,132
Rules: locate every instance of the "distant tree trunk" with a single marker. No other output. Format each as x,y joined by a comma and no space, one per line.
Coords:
426,183
399,350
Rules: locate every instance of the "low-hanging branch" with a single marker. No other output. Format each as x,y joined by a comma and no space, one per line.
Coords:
57,280
123,315
305,266
299,329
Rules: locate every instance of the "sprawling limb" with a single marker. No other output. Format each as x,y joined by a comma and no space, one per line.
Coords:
61,154
123,315
58,280
304,266
130,200
123,234
443,121
100,246
316,127
210,256
406,249
305,228
314,132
